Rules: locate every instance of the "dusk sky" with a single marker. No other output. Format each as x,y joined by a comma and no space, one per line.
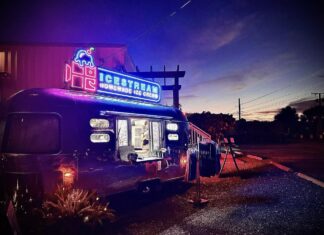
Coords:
268,53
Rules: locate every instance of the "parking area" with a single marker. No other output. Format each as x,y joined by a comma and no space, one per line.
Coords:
262,200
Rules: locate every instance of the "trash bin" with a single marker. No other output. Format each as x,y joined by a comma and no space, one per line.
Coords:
209,159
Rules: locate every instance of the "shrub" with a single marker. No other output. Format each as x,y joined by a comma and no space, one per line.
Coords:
76,205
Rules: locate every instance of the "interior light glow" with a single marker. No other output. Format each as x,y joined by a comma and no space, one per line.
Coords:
173,137
99,123
183,161
99,138
68,173
172,126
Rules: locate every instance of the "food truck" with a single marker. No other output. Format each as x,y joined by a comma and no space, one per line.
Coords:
106,131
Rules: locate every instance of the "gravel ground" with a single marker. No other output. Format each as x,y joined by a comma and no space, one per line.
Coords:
264,200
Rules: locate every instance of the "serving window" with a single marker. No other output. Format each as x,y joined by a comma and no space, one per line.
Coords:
140,136
122,132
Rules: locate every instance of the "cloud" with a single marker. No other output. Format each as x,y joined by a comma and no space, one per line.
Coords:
265,115
236,80
269,112
254,72
216,37
302,104
167,98
188,96
217,33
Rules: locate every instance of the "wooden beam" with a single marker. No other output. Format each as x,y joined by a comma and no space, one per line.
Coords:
160,74
165,74
170,87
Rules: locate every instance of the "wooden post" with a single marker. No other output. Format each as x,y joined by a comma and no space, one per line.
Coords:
176,93
175,88
164,76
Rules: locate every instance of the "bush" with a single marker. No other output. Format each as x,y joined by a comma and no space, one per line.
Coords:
71,209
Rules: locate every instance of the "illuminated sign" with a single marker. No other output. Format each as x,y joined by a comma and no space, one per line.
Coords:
121,84
82,74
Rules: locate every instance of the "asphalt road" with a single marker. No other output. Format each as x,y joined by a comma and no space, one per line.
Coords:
306,157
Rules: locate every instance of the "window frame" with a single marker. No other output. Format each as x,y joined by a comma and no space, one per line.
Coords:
128,131
7,129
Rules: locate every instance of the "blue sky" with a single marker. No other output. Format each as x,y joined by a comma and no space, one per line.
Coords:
268,53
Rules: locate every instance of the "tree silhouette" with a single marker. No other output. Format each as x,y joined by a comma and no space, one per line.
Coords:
214,124
314,117
287,120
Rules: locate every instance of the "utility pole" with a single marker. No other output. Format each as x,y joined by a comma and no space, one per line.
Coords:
319,97
239,106
319,121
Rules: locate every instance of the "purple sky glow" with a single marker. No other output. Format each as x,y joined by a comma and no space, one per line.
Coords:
268,53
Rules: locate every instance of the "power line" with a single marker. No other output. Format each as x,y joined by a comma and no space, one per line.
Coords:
281,102
266,102
285,101
302,93
295,83
268,107
260,97
274,104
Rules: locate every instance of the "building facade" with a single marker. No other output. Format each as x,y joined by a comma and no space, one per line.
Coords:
24,66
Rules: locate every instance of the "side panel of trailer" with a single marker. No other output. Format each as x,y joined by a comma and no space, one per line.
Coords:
109,145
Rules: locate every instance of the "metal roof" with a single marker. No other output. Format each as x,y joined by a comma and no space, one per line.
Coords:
54,100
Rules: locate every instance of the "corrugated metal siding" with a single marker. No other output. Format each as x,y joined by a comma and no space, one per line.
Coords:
42,66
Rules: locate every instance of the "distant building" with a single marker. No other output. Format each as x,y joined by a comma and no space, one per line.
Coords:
24,66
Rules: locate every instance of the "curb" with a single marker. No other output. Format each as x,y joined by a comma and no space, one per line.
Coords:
281,167
311,179
298,174
254,157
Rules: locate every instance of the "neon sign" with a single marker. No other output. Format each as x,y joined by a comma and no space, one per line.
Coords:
82,74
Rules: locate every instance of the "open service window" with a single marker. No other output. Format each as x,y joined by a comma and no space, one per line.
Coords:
140,137
146,138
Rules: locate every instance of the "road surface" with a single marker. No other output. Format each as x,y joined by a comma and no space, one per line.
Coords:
307,157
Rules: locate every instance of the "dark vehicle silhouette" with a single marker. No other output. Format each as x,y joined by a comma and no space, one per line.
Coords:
55,136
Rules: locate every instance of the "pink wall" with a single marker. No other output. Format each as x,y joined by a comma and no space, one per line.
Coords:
41,66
